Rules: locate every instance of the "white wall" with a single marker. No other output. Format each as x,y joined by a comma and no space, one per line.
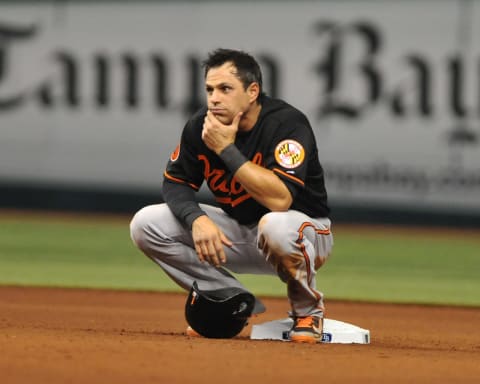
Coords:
400,124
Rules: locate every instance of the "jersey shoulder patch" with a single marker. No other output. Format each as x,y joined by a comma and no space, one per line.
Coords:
175,153
289,154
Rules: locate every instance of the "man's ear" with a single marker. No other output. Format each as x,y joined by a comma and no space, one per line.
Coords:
253,91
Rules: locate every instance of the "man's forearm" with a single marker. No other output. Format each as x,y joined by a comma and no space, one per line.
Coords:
261,183
264,186
181,201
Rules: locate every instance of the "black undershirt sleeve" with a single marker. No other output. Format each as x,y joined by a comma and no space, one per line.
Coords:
180,199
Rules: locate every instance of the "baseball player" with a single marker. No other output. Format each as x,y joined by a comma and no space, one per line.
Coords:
258,156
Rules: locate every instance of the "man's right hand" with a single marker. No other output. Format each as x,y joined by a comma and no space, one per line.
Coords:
209,241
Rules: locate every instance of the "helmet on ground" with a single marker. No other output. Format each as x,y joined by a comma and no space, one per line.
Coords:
219,314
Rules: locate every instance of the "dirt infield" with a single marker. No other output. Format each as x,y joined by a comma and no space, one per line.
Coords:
87,336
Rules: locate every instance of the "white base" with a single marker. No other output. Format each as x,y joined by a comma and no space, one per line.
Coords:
334,331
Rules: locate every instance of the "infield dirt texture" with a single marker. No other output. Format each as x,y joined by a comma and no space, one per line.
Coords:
87,336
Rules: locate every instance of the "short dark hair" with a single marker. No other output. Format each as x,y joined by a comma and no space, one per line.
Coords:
248,70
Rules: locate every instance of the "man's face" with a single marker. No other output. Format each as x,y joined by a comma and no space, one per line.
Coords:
226,95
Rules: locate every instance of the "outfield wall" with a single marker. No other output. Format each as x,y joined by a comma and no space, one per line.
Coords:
93,95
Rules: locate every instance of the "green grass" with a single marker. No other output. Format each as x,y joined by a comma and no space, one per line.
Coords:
69,253
371,266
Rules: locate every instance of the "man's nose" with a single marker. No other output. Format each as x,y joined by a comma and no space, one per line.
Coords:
214,97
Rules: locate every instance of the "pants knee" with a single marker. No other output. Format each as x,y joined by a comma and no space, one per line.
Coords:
277,241
288,245
274,232
139,227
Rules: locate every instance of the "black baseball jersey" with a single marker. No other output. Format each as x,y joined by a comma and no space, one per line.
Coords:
281,140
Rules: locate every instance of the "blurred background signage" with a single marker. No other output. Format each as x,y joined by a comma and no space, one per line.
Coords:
96,94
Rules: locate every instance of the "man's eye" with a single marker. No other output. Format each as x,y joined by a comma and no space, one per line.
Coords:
226,89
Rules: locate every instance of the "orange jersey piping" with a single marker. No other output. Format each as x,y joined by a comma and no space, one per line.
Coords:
293,178
180,181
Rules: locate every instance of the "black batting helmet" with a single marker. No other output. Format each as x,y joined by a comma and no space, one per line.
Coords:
219,314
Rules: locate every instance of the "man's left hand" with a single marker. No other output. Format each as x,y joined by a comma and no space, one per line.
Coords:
218,136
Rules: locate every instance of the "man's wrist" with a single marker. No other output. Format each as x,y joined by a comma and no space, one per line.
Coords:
232,157
191,217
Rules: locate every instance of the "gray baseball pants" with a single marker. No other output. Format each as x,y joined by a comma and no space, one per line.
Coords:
289,244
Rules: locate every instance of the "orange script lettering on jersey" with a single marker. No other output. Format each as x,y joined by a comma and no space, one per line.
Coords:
217,182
